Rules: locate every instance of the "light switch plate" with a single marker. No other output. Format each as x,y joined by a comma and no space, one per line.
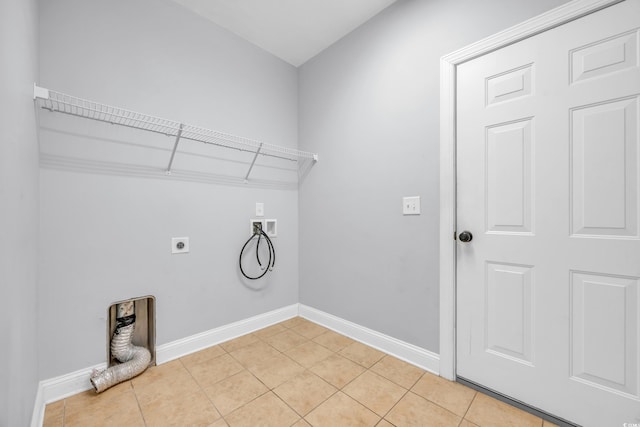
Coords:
411,205
259,209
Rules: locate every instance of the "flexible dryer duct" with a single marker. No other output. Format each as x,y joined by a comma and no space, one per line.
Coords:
134,360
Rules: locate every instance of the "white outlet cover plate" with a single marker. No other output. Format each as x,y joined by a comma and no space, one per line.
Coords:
411,205
259,209
175,242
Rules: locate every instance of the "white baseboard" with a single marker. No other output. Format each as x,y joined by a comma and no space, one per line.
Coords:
54,389
60,387
410,353
57,388
197,342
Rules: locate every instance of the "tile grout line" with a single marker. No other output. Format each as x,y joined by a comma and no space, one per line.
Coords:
403,396
352,380
269,389
469,407
308,369
302,417
144,420
366,369
202,388
384,417
246,368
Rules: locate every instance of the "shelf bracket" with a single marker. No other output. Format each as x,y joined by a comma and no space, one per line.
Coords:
39,92
175,147
246,178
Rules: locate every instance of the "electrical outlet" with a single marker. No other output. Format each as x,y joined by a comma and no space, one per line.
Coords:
179,245
411,205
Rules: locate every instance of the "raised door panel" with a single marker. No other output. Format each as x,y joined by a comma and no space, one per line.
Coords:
509,311
604,163
604,326
509,158
605,57
509,85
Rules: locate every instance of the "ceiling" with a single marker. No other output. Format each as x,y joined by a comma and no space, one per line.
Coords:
294,30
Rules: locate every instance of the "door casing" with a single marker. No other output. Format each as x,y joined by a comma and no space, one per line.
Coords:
448,64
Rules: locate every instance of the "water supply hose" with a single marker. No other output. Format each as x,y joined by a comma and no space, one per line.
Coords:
259,232
134,359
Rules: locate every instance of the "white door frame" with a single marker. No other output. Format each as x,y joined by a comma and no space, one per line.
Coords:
555,17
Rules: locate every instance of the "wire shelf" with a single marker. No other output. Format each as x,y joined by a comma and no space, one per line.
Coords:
67,104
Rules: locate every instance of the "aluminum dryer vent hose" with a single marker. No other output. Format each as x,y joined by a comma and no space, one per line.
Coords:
134,359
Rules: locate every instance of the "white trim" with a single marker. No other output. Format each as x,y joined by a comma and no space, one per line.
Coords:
447,219
57,388
37,416
197,342
408,352
448,64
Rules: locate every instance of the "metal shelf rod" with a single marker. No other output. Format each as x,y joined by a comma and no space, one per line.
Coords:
175,147
246,178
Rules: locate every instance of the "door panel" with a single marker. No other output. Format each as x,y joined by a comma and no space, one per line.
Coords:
509,85
548,183
508,177
605,174
508,305
604,347
605,56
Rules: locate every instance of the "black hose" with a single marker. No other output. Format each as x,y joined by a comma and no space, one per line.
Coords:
272,253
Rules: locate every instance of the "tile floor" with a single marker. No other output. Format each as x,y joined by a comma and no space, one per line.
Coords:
295,373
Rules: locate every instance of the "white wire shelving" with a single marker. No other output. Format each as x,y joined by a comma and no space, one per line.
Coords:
67,104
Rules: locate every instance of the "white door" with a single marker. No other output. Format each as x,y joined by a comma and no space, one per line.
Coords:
548,183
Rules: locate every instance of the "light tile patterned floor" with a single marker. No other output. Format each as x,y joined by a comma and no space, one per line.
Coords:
295,373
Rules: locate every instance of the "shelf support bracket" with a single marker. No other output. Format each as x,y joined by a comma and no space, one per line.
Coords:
246,178
39,92
175,147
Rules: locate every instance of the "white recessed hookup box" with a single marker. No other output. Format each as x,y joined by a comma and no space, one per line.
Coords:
269,226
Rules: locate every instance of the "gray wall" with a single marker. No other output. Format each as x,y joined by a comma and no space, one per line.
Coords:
18,212
108,211
369,105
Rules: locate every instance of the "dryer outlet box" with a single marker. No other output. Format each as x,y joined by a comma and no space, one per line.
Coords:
179,245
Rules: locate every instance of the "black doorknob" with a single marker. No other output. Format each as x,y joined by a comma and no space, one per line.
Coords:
465,236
